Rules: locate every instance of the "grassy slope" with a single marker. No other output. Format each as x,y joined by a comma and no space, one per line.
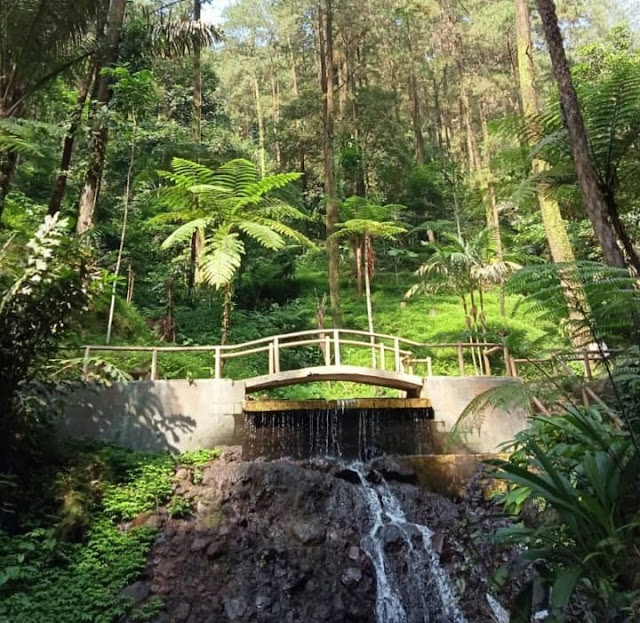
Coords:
432,319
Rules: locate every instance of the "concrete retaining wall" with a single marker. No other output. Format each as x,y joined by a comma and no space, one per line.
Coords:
173,415
180,415
450,396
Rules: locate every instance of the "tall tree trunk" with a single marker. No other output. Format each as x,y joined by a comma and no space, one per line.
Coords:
123,233
69,139
261,137
98,146
473,155
8,163
197,80
594,200
325,31
554,225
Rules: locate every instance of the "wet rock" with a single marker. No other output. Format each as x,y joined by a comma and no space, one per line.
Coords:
216,549
136,592
351,576
394,471
308,533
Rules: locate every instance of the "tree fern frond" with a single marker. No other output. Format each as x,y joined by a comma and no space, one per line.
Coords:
263,234
184,232
221,259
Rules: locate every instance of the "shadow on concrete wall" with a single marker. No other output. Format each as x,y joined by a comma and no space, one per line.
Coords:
133,415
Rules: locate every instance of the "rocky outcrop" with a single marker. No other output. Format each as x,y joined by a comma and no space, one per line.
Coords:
282,542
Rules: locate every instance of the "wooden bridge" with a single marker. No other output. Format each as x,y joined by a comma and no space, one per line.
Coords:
343,355
368,358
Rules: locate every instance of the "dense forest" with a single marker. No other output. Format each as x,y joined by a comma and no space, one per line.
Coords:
191,173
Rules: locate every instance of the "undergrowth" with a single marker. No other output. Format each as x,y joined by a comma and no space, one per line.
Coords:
71,556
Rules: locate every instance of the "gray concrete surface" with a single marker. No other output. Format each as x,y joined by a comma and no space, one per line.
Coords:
175,415
450,396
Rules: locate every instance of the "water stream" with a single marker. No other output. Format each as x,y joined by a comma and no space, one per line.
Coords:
420,594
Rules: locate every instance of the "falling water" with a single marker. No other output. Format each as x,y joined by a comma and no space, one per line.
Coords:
423,593
345,431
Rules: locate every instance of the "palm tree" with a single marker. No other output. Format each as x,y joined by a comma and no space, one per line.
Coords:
361,232
233,203
469,268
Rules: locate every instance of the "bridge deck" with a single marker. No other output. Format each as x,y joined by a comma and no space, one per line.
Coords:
410,383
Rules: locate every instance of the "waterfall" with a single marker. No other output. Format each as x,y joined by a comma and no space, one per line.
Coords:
423,593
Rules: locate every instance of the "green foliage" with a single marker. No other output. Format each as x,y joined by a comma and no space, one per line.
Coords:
48,577
581,470
149,487
42,291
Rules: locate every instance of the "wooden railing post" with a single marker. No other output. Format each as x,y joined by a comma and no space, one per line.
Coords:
272,365
276,355
85,363
507,362
218,362
460,359
336,346
396,354
327,350
154,365
429,367
514,367
487,363
587,365
382,358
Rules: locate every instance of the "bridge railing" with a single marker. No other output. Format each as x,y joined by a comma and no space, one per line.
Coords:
336,347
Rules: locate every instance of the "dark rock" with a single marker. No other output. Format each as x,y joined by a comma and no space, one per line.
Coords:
307,533
216,549
181,613
263,602
235,608
200,543
354,552
136,592
351,576
163,617
349,475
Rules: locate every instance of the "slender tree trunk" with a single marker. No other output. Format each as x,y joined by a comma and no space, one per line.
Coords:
294,70
493,217
367,287
98,147
197,80
123,233
554,225
226,313
325,31
358,253
594,200
69,139
261,137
